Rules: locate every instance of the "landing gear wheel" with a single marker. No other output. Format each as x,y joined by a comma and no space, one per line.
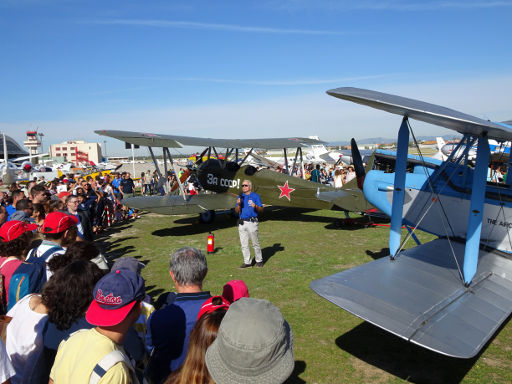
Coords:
207,217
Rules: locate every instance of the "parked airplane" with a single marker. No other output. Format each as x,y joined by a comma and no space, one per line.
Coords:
452,294
320,154
9,171
224,177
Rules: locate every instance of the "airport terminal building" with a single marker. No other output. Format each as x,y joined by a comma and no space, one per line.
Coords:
76,151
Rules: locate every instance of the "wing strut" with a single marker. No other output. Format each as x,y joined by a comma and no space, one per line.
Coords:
165,161
246,156
476,210
399,189
302,165
155,162
295,160
286,161
176,173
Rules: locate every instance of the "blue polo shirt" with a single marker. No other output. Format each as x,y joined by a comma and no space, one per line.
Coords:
246,211
168,332
115,183
10,210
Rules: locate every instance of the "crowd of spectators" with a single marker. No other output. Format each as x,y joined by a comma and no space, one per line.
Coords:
95,202
334,175
70,317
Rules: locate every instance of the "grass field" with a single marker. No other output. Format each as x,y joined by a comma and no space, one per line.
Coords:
299,246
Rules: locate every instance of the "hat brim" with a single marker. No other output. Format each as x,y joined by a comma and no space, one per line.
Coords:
221,373
96,315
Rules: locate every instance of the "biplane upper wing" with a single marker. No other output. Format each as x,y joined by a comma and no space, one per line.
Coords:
426,112
418,297
174,141
176,205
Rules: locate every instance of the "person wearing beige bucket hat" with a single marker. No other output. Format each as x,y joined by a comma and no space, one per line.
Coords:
254,345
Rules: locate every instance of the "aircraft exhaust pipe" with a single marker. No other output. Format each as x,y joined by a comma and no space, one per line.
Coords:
358,163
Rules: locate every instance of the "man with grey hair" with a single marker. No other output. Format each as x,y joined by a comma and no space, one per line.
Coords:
248,205
168,328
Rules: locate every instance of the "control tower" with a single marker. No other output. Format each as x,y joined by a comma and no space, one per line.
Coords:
32,143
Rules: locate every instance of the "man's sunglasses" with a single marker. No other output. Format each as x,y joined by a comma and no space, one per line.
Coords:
245,185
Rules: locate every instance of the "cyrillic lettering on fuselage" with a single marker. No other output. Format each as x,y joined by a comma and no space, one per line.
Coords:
222,182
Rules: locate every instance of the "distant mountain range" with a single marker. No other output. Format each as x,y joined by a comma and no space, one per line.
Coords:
387,140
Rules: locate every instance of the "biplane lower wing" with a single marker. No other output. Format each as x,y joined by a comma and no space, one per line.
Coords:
176,205
419,297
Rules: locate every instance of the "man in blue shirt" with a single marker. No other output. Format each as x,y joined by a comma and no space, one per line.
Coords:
168,328
126,185
16,196
248,205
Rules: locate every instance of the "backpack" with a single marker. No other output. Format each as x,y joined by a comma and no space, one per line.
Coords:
3,294
50,251
107,362
28,278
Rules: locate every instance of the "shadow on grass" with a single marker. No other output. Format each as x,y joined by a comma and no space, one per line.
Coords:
268,252
116,228
300,367
301,214
377,255
401,358
153,291
113,254
191,226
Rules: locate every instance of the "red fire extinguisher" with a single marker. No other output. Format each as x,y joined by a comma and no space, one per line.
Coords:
210,245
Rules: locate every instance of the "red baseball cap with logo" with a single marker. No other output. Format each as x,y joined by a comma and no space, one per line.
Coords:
115,294
15,228
57,222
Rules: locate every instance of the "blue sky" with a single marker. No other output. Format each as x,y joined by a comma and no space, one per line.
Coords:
243,69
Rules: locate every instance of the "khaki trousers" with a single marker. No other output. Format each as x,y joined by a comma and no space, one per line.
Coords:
249,230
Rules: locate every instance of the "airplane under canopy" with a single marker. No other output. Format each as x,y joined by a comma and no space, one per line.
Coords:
452,294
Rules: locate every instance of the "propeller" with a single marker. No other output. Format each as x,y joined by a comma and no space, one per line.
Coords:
358,163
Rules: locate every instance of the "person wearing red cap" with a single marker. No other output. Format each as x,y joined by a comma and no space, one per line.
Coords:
15,237
59,231
62,196
97,353
234,290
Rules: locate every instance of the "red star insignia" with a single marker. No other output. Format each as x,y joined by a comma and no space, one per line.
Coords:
285,190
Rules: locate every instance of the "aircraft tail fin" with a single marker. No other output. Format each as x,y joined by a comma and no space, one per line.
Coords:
358,163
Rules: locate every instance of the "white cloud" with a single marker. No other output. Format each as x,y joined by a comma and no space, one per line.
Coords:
210,26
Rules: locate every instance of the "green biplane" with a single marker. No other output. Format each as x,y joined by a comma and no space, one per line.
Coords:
224,177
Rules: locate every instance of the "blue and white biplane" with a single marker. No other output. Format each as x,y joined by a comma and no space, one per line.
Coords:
452,294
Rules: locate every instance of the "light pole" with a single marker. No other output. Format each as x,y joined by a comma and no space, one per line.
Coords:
105,148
